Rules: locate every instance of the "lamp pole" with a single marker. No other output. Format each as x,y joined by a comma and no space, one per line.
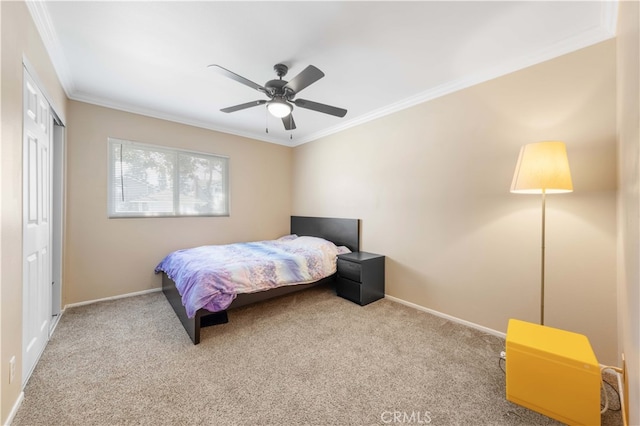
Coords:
542,168
542,263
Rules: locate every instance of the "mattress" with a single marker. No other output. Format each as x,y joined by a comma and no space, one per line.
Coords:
211,277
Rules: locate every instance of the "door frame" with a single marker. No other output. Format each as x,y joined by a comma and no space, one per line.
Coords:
57,206
57,218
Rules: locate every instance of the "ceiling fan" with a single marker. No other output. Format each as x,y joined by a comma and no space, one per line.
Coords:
281,93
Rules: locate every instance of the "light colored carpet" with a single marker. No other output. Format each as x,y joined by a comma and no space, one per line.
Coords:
310,358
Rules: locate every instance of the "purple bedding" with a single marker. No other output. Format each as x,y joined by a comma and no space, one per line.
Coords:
210,277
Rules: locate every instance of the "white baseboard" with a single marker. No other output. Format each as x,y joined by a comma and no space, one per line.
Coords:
461,321
18,403
15,408
121,296
392,298
54,322
449,317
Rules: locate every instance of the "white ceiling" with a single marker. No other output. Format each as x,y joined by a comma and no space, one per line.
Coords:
378,57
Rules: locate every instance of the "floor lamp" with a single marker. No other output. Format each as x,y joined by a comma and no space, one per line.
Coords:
542,168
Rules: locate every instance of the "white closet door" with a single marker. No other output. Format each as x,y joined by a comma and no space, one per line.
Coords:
37,161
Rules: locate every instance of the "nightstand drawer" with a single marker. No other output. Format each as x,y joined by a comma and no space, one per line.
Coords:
348,289
350,270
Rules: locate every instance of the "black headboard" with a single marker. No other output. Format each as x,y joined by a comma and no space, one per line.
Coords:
342,232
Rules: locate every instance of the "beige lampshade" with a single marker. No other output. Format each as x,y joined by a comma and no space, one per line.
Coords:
542,166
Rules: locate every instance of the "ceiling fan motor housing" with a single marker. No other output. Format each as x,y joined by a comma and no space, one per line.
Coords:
275,88
281,70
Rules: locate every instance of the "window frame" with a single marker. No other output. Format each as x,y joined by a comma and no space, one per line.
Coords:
111,171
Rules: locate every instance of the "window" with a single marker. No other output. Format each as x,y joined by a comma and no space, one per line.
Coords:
147,180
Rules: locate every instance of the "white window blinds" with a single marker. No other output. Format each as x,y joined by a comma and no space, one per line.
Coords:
147,180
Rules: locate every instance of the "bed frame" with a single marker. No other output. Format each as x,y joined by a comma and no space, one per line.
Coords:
342,232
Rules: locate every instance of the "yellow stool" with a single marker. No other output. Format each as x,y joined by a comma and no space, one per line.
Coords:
553,372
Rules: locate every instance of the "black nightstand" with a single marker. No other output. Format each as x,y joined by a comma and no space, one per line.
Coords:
360,277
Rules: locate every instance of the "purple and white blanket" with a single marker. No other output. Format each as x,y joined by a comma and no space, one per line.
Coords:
210,277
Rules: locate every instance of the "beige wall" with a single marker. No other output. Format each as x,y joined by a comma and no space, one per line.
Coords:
110,257
629,201
431,185
18,37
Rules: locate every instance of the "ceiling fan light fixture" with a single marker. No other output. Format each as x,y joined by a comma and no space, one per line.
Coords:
279,108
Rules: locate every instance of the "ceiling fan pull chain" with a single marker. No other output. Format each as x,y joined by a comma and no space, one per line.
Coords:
266,120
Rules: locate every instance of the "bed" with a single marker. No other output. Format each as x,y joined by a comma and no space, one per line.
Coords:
342,232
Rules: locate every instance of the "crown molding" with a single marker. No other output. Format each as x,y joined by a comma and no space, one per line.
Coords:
173,118
42,21
606,30
586,39
609,16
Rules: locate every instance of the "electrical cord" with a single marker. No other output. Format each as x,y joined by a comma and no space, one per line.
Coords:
620,394
604,382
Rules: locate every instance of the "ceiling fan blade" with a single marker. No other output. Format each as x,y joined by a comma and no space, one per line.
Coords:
243,106
308,76
315,106
288,122
236,77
